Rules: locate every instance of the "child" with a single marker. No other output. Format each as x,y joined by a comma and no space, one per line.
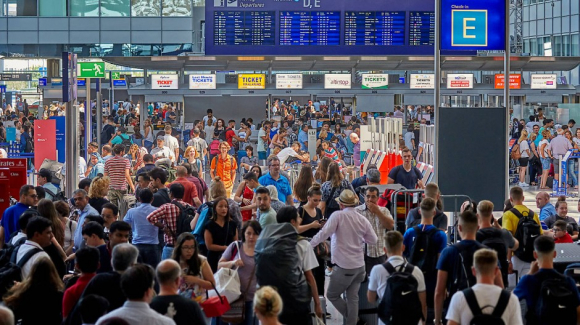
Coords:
561,235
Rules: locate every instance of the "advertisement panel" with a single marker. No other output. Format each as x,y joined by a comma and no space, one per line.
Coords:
375,81
337,81
459,81
202,81
543,81
252,81
422,81
289,81
17,167
515,81
164,81
44,141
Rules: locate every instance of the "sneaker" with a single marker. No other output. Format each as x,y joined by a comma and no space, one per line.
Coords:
328,272
525,185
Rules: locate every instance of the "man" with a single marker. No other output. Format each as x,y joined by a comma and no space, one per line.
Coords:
169,303
521,261
548,124
110,214
231,135
82,203
107,152
294,152
224,166
118,170
452,278
348,229
398,112
165,217
161,151
303,138
249,160
406,174
440,219
200,185
542,271
38,236
121,118
409,137
149,164
198,143
145,235
158,178
484,294
108,131
143,181
273,177
264,140
190,195
171,142
9,223
562,214
373,178
543,203
560,146
393,247
356,148
122,138
359,182
94,236
381,220
44,179
209,116
265,214
87,262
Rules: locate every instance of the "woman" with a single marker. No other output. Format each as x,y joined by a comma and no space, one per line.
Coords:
279,140
321,138
256,170
524,148
134,155
303,184
545,157
209,129
322,171
70,226
241,255
37,299
148,136
221,127
191,156
572,179
534,162
331,189
244,132
267,305
98,191
54,250
197,276
244,195
219,232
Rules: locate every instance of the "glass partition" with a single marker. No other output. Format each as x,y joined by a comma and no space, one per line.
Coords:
84,8
176,8
115,8
52,8
146,8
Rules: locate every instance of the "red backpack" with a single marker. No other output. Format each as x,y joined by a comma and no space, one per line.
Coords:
214,147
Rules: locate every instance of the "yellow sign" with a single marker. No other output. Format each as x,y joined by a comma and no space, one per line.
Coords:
251,81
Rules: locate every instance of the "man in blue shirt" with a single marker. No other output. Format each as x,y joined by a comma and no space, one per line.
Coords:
44,179
547,209
82,203
303,138
9,223
281,183
145,235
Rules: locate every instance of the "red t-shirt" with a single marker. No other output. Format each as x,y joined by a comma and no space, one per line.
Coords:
566,239
74,293
229,136
190,190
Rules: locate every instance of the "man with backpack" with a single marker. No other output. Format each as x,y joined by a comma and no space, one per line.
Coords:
439,220
551,298
108,131
400,286
454,265
118,170
44,179
524,225
474,305
38,236
122,138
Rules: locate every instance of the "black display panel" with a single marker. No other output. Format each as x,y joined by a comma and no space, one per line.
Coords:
374,28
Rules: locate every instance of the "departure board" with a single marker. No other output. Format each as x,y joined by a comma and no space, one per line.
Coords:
421,28
309,28
244,28
374,28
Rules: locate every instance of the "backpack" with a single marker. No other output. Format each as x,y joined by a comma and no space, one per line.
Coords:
204,217
464,278
29,147
8,250
59,196
487,319
278,265
12,271
555,304
400,304
214,147
492,238
183,222
526,233
515,153
127,143
424,253
106,133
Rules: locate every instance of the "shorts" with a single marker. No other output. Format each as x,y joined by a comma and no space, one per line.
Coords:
546,163
555,161
524,162
262,155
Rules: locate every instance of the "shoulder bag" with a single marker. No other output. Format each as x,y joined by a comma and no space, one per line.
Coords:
236,314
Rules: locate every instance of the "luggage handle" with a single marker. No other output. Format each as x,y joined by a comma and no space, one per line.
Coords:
216,291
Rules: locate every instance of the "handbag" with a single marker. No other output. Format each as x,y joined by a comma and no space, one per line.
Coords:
237,312
215,306
227,282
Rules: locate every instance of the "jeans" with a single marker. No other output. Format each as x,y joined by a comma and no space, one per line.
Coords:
148,145
149,254
346,281
572,179
167,251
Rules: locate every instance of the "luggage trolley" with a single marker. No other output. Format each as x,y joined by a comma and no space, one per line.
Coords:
402,201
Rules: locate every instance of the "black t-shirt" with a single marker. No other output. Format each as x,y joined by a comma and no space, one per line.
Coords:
220,236
160,197
182,310
107,134
308,219
407,179
98,203
105,259
414,218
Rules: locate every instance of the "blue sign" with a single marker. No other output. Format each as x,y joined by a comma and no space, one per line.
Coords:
42,81
56,82
473,25
2,89
60,137
81,82
120,83
10,134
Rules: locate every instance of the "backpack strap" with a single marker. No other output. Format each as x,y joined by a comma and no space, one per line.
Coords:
50,192
472,302
389,267
502,303
518,214
409,268
28,256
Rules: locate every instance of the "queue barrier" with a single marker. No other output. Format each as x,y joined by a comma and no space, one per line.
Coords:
387,160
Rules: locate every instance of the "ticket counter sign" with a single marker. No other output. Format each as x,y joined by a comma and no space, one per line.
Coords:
459,81
422,81
202,81
515,81
252,81
543,81
164,81
337,81
375,81
289,81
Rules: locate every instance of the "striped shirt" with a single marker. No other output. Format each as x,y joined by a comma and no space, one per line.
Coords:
115,168
332,154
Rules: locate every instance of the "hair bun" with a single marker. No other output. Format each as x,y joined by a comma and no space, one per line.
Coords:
217,179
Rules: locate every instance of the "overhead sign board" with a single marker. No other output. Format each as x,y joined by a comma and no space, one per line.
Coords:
42,81
543,81
459,81
289,81
91,69
202,81
252,81
119,82
81,82
375,81
15,77
422,81
515,81
337,81
164,81
56,81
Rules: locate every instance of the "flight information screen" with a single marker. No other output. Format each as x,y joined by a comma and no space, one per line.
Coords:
309,28
244,28
374,28
421,28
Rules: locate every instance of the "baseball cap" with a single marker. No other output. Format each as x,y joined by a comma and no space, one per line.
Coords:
44,173
161,137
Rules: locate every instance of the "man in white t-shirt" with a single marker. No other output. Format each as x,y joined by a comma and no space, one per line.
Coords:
170,141
379,275
292,151
486,294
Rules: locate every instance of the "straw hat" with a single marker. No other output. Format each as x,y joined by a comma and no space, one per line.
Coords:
347,198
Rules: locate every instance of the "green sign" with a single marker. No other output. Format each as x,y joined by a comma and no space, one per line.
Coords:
116,75
375,81
91,69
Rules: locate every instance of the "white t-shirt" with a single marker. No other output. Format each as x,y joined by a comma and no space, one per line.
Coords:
164,152
546,148
379,276
171,142
487,296
524,145
285,153
306,255
261,145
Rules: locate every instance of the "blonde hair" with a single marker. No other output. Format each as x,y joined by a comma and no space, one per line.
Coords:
267,302
224,144
524,136
217,188
485,208
485,261
99,187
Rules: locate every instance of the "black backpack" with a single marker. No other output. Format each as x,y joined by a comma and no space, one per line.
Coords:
126,142
29,147
492,238
400,304
183,222
59,196
487,319
12,271
8,250
464,278
424,253
555,304
526,233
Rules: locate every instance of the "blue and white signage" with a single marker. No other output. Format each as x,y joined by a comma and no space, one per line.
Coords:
42,81
202,81
473,24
